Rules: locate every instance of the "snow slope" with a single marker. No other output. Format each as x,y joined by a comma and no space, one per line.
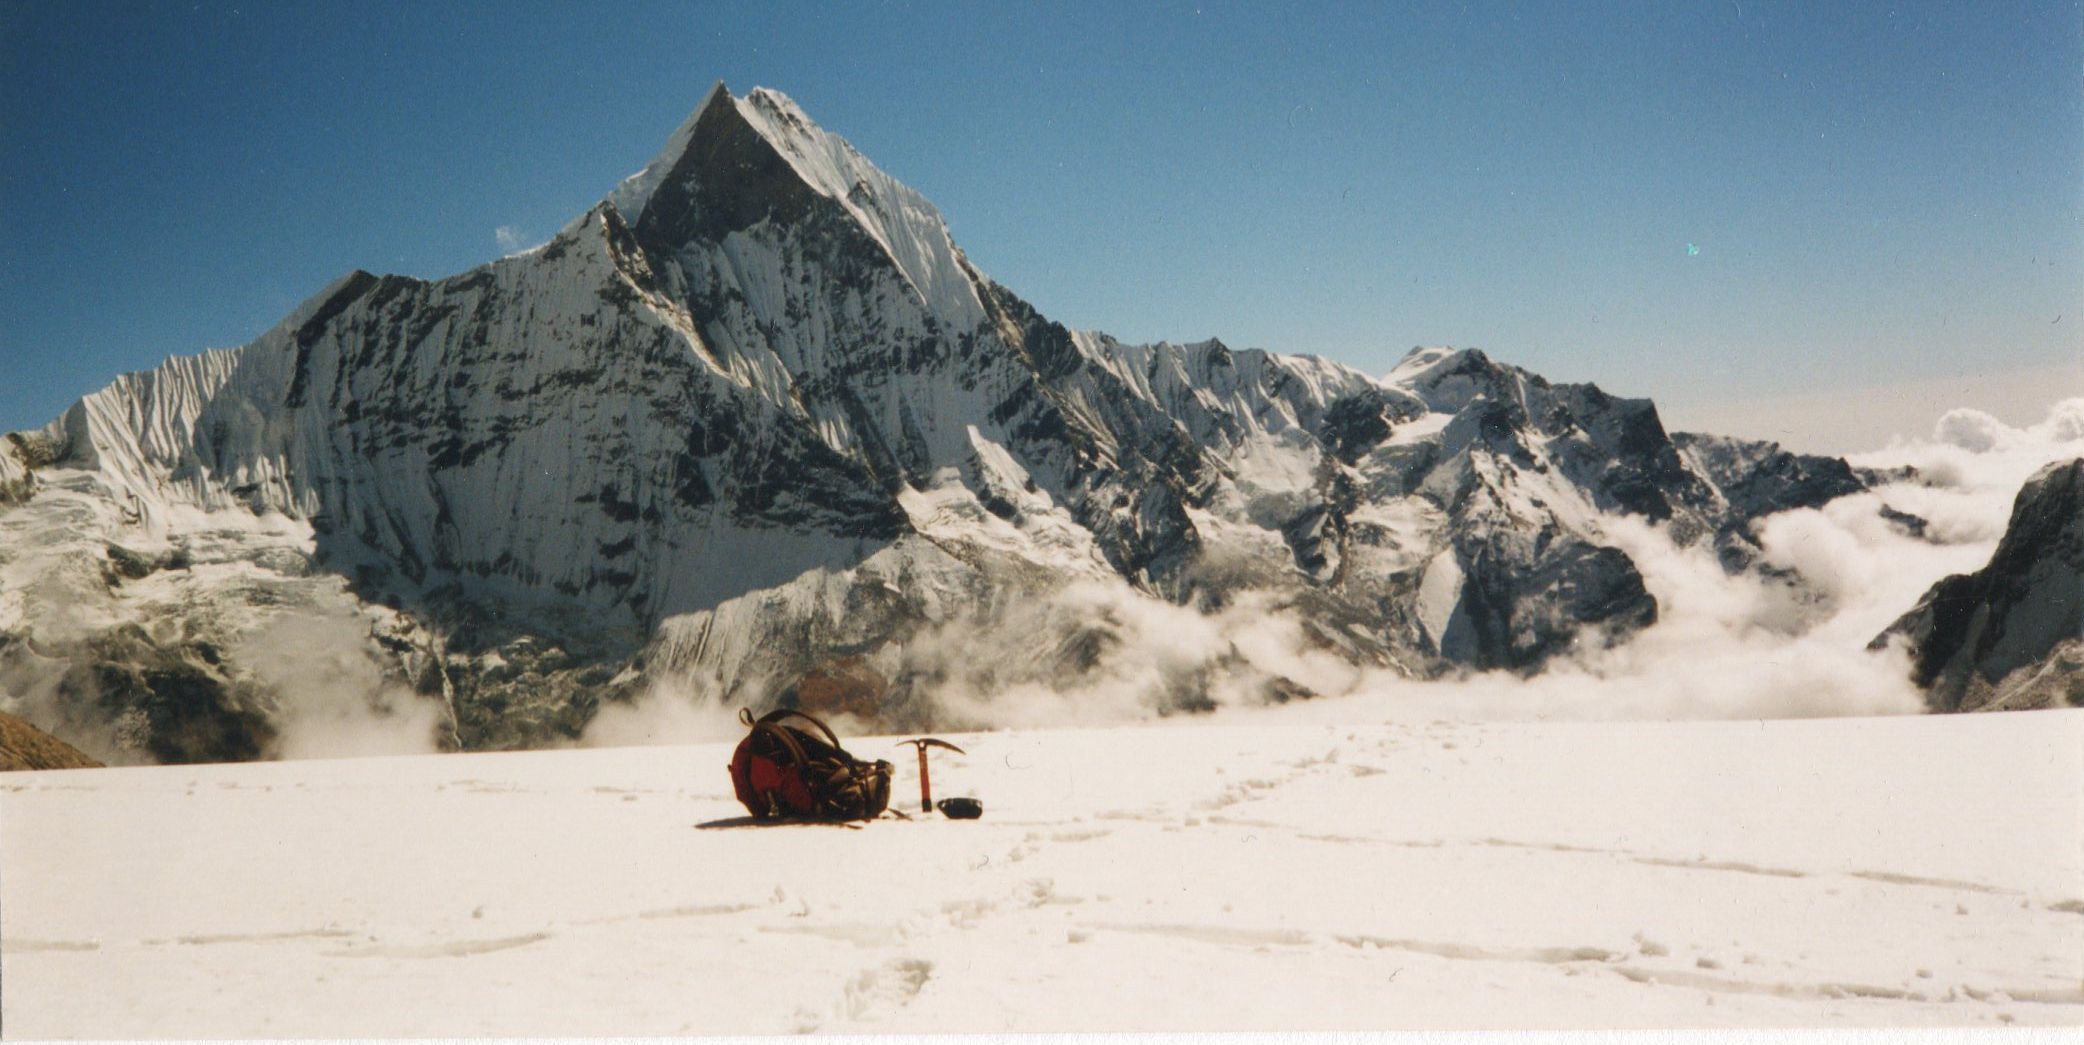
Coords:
1324,866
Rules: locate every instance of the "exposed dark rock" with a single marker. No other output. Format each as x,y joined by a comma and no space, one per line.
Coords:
729,178
847,686
2010,635
193,710
1522,605
21,453
1355,424
1906,523
1760,478
135,565
24,747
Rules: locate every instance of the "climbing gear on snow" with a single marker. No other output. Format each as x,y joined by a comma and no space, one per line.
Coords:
781,771
926,782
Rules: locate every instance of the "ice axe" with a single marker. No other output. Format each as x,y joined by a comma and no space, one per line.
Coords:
926,782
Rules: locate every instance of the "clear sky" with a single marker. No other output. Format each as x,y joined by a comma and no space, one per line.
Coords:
1716,203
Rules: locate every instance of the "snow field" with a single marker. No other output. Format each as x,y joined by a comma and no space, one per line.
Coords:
1259,870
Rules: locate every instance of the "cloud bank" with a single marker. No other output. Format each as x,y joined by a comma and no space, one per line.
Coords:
1753,646
1787,641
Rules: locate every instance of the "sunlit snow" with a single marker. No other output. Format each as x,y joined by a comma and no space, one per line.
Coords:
1329,866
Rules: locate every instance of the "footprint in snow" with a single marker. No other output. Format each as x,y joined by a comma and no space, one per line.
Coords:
1219,935
891,985
34,946
1078,836
451,949
207,939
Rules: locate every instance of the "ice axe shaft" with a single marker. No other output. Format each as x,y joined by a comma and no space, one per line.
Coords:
925,780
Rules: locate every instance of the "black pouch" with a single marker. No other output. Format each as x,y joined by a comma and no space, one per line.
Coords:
960,808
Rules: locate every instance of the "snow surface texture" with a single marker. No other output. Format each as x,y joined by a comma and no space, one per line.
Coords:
753,431
1333,865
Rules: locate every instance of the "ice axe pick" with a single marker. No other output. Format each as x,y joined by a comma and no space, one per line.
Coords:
926,782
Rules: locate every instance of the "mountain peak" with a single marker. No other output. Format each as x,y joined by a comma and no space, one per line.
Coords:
635,191
736,162
1427,359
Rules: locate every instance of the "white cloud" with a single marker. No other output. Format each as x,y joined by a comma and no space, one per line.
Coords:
670,711
1851,420
1743,646
335,700
1724,647
1747,646
509,238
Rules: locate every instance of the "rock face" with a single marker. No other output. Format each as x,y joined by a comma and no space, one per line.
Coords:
754,426
1757,479
23,746
2010,635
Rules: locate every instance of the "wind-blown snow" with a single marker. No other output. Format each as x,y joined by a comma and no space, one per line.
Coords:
1296,868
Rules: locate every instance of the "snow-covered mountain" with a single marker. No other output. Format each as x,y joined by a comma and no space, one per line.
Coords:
2011,635
753,427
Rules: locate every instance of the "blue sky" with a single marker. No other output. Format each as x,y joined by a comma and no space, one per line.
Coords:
1875,196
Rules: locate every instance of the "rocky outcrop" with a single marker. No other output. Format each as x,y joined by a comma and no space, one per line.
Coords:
1757,479
2010,635
18,460
24,747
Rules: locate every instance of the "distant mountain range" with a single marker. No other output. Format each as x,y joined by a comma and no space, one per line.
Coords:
754,427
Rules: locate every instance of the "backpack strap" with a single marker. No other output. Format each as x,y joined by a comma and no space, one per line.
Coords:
781,713
787,740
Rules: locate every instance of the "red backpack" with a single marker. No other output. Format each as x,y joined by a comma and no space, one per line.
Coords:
784,772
